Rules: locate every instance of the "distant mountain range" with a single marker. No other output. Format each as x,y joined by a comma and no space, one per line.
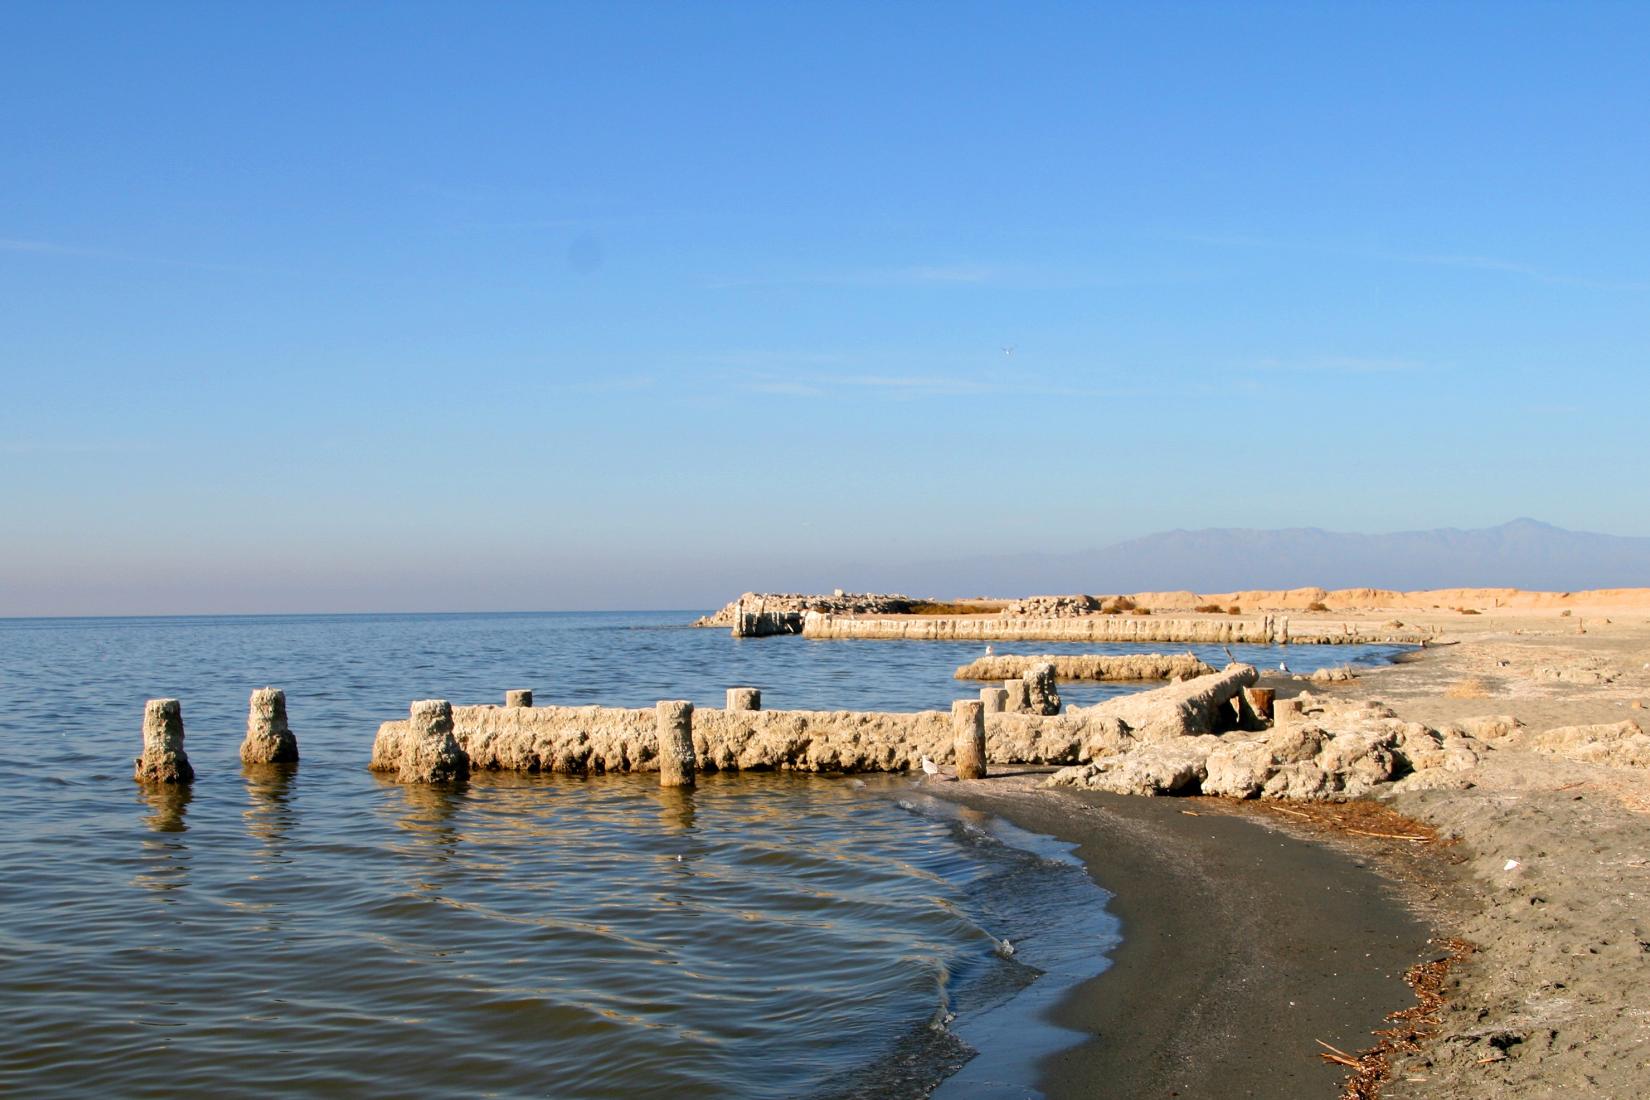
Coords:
1522,554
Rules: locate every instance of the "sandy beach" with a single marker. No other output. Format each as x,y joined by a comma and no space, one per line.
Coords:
1255,932
1242,946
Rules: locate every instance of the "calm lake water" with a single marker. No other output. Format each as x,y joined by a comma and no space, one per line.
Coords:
321,931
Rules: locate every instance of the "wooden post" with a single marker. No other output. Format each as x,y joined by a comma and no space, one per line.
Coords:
676,760
744,698
968,729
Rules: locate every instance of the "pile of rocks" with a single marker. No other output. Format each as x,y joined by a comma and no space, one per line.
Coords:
1052,607
1317,749
795,604
1066,607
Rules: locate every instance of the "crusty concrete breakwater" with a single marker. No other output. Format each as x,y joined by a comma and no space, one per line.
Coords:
593,739
1209,630
1089,666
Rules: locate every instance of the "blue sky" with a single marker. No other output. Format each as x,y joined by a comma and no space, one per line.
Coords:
309,307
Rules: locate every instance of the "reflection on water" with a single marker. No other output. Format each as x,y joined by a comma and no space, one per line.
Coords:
676,809
165,864
167,803
270,815
326,931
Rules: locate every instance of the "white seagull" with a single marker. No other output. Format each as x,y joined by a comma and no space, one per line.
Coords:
929,767
988,651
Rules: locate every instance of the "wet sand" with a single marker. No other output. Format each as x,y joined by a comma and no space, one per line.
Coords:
1545,874
1242,946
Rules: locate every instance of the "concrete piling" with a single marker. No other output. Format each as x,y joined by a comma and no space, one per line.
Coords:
433,755
744,698
269,740
1019,697
676,759
1042,691
163,759
994,700
518,697
968,730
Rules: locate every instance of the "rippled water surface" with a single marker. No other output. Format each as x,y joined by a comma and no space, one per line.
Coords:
322,931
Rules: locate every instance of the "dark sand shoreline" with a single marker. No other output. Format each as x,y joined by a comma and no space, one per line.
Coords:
1242,947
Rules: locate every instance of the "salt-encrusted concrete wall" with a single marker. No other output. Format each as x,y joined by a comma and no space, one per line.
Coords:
1089,666
1266,630
617,739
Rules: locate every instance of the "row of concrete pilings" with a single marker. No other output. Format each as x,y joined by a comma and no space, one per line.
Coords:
438,757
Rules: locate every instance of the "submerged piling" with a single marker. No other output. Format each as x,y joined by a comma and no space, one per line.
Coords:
968,730
518,697
994,700
269,740
432,754
676,760
163,759
744,698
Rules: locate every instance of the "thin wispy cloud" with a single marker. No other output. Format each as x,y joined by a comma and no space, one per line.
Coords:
896,386
53,248
47,248
907,275
631,384
785,389
1338,364
1493,264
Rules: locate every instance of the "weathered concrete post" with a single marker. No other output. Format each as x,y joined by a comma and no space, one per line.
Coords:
744,698
994,700
1262,700
676,760
968,730
1019,697
518,697
431,754
269,739
163,759
1244,714
1043,694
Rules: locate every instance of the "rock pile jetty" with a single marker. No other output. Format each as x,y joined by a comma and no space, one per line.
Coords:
756,614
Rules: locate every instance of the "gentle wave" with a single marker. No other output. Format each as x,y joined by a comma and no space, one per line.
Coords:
321,930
